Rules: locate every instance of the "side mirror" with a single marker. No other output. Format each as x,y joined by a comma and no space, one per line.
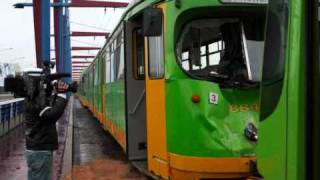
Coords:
152,22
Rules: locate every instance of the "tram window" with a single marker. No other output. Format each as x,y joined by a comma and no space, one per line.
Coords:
107,69
116,58
216,50
121,56
156,61
95,74
102,67
138,58
185,60
112,64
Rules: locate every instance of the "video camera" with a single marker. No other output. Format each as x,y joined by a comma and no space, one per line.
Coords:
32,83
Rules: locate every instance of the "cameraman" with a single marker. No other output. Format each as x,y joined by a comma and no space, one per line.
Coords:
40,130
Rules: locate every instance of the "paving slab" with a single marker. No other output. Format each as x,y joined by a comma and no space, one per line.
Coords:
12,148
12,162
96,155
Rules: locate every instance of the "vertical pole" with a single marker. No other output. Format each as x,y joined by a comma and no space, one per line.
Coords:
67,56
59,34
37,30
61,38
45,30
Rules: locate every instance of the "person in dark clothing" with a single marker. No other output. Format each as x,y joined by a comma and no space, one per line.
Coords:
40,131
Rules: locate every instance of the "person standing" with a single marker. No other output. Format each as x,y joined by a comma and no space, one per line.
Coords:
40,131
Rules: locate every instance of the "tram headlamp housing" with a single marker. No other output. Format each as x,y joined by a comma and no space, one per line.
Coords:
245,1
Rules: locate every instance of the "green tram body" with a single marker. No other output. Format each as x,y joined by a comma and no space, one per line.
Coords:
199,129
288,146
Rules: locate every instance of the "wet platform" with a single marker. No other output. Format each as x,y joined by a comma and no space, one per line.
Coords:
12,163
85,151
96,155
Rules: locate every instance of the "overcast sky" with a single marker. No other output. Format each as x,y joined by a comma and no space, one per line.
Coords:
17,32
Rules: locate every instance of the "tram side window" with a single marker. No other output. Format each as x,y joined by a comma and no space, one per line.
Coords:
156,58
120,56
96,74
108,79
115,67
112,63
102,65
138,56
117,51
91,77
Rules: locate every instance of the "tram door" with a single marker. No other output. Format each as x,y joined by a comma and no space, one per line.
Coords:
155,92
135,91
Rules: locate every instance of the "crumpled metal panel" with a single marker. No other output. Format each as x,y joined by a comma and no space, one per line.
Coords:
205,129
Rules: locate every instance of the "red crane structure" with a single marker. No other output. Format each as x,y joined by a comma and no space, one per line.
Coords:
75,48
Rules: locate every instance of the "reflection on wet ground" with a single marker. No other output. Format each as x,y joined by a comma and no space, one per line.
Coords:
12,162
96,155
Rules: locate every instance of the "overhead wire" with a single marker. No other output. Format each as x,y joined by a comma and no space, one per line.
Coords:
83,42
90,26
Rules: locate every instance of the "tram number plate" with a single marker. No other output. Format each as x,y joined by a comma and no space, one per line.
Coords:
213,98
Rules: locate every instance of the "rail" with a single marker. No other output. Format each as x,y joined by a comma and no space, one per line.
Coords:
11,115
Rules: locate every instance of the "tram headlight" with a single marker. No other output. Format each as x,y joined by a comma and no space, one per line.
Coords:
251,132
245,1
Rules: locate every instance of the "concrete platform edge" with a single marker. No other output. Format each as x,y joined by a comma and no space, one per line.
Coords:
67,158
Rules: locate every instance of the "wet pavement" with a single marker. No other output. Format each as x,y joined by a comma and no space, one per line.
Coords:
96,155
12,163
12,148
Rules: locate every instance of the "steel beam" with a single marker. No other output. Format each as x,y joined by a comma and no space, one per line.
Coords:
37,30
84,48
45,30
59,35
83,33
105,4
81,57
67,49
81,62
79,66
80,3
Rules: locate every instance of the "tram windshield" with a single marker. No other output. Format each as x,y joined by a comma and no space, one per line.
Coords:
227,51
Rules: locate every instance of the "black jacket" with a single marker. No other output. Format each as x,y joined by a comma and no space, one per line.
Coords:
40,124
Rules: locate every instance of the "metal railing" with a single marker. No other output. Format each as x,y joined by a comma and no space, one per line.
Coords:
11,115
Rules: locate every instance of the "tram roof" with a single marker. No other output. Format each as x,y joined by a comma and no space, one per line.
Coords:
134,7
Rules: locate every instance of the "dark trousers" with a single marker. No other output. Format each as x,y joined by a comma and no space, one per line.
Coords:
39,165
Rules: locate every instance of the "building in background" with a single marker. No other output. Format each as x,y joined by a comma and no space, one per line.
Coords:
5,70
